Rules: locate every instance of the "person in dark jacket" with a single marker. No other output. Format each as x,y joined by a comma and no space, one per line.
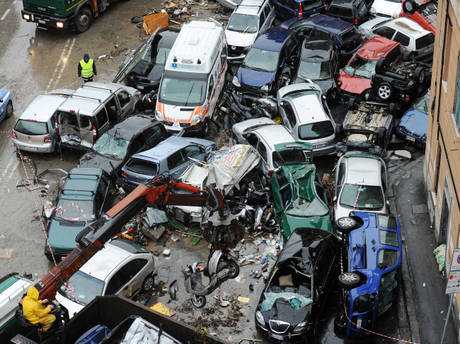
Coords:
87,68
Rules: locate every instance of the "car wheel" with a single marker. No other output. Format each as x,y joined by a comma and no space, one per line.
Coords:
83,20
148,283
9,109
340,324
350,280
384,91
409,6
348,223
234,269
198,301
420,75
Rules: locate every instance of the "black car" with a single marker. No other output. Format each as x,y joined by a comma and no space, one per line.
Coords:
318,63
144,69
401,80
355,11
293,299
113,148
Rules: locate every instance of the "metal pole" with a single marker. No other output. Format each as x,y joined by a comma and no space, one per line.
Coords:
447,317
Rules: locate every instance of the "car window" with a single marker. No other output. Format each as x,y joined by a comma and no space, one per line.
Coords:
316,130
123,98
402,38
288,156
192,151
262,151
134,266
82,288
154,135
31,127
137,145
387,258
118,280
267,9
389,238
289,111
144,167
175,160
387,221
101,119
424,41
262,19
385,32
86,123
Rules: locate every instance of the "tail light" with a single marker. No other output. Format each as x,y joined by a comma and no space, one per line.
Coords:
47,139
13,135
94,131
300,10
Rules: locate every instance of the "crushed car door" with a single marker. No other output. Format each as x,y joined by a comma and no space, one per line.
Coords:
133,271
69,127
126,103
88,131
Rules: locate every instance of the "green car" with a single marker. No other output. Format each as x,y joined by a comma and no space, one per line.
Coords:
300,200
82,200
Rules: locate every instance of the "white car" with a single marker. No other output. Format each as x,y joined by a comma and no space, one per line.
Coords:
274,143
387,8
414,39
307,116
250,18
120,268
367,28
361,181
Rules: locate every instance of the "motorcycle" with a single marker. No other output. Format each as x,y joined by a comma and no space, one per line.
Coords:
220,268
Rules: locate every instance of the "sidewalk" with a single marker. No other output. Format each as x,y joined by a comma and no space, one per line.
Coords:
423,286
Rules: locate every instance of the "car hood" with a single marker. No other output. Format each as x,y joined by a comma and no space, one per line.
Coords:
254,78
289,307
415,121
70,305
325,85
353,84
92,159
291,223
240,39
387,8
61,235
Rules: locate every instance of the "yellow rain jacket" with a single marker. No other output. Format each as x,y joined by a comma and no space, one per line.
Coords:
35,312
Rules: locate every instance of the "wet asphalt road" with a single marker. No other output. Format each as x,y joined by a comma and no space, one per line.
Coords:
34,61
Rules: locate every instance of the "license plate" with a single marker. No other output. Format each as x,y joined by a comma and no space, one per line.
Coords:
41,21
410,138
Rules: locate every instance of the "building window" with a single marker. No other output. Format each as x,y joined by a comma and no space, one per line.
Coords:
457,98
446,53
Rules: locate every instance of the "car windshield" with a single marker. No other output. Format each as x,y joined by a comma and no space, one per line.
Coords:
309,69
185,92
112,146
162,55
243,23
31,127
263,60
365,197
82,288
361,67
75,209
316,130
340,11
288,156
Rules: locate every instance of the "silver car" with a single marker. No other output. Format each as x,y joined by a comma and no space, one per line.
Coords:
35,131
361,182
120,268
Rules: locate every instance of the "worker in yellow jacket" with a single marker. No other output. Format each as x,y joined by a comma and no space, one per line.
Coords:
87,68
35,312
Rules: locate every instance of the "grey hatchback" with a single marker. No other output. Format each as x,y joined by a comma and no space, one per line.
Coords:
172,156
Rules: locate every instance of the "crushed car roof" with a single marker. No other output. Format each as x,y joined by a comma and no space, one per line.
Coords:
132,126
376,48
408,27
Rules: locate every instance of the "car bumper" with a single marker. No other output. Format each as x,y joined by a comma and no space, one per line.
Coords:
39,148
281,338
419,142
58,23
186,128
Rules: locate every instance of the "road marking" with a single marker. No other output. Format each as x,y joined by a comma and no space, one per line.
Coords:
5,171
5,14
62,63
13,170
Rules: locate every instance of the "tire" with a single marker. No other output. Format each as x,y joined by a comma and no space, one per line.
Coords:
420,75
198,301
348,223
384,91
9,109
350,280
83,20
148,283
409,6
234,269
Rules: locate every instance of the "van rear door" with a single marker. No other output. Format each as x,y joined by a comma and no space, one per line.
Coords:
69,128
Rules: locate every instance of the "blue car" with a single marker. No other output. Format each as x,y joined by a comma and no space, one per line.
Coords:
414,123
346,37
6,104
371,279
265,68
286,9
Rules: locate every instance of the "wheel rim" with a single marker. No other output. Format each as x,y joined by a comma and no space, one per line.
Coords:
346,222
350,278
84,20
384,92
148,284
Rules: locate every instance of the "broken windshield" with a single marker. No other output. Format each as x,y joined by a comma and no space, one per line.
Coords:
82,288
263,60
288,156
111,146
365,197
361,67
75,210
309,69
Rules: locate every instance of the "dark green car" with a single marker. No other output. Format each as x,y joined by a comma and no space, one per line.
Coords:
81,201
300,200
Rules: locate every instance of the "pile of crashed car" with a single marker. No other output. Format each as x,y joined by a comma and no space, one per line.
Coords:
247,107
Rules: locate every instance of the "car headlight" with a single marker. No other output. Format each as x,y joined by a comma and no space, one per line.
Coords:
300,327
236,82
26,16
159,116
196,119
60,25
260,318
264,88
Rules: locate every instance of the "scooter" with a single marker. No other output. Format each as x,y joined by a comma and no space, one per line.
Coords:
220,268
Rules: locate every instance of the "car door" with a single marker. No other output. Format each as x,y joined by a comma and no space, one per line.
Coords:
125,102
88,131
154,135
118,281
175,163
135,275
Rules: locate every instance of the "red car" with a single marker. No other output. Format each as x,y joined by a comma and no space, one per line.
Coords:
423,12
355,78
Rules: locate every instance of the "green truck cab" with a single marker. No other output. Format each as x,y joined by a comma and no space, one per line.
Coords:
63,14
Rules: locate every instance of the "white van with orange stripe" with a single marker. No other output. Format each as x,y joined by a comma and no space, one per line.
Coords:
193,78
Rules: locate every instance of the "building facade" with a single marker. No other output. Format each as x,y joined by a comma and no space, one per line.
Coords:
442,156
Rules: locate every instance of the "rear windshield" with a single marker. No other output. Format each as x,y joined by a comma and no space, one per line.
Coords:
316,130
339,11
75,210
424,41
31,127
351,38
364,197
144,167
289,156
